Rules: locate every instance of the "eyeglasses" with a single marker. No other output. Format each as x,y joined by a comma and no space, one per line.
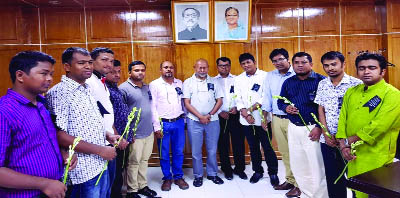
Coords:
279,60
194,15
231,15
225,65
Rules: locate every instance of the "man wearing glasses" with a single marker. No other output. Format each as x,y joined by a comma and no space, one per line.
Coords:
229,123
192,31
280,59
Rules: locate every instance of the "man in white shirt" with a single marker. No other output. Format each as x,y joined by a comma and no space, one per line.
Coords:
167,108
203,98
249,87
229,123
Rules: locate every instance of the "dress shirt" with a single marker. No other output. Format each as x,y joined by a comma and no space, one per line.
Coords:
331,98
226,85
302,94
250,90
273,85
28,142
167,100
202,94
101,93
76,112
372,114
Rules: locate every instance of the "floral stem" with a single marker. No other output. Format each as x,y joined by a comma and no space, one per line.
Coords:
301,117
105,168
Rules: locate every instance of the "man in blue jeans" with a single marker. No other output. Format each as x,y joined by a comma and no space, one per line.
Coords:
167,108
203,98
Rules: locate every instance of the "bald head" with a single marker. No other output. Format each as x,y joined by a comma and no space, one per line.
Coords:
201,68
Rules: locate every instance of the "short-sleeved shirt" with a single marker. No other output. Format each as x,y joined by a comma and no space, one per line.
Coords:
139,97
76,112
202,94
227,86
28,142
331,98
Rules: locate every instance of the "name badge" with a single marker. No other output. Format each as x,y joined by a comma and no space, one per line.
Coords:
232,90
255,87
340,102
150,97
178,90
312,95
373,103
210,86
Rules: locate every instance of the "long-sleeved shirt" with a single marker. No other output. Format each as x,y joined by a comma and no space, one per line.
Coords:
28,142
167,100
250,90
302,94
273,86
227,86
374,116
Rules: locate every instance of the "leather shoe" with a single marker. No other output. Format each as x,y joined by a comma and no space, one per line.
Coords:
132,195
215,179
274,179
241,175
146,191
256,177
295,192
181,183
197,182
228,176
166,185
284,186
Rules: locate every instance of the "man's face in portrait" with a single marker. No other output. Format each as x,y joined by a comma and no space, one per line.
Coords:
190,18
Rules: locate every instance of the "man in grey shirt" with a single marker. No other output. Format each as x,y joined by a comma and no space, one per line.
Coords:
137,94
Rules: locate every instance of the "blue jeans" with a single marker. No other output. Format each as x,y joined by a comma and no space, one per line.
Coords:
196,132
174,136
111,175
90,190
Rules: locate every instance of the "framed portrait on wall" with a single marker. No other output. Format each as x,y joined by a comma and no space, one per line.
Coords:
232,21
191,22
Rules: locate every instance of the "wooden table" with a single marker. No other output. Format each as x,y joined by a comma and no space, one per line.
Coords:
383,182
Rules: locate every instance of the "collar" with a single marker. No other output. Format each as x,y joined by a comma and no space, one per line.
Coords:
345,80
255,73
194,76
163,81
21,99
72,84
110,84
229,76
98,74
312,75
133,84
288,73
375,87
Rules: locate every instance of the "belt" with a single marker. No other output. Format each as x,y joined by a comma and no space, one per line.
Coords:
281,116
173,119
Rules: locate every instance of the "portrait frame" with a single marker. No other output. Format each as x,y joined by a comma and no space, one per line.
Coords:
183,29
222,31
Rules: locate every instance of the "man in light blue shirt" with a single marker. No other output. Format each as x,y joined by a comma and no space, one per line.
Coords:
273,85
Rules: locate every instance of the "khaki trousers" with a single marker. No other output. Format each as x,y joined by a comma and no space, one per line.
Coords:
280,131
139,155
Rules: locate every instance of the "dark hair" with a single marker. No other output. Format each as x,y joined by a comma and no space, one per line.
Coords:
223,59
332,55
246,56
96,52
301,54
68,54
117,63
278,51
135,63
367,56
197,12
231,8
27,60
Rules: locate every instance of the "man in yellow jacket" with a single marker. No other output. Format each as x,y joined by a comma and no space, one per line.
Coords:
371,113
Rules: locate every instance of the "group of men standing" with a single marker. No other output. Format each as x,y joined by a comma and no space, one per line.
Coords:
88,103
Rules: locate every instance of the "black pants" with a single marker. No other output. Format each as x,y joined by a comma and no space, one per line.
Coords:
334,165
235,132
254,141
119,178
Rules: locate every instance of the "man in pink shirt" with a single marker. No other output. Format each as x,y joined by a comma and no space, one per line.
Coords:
167,106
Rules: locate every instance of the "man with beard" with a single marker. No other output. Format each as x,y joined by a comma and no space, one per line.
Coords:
192,31
203,98
304,149
280,59
167,106
371,113
329,98
137,94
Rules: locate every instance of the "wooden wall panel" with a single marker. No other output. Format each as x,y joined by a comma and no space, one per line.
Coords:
353,45
152,56
63,25
394,52
30,25
317,47
361,17
152,25
232,51
320,19
109,24
268,45
393,15
278,20
9,24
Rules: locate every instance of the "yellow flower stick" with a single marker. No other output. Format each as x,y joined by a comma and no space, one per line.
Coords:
71,152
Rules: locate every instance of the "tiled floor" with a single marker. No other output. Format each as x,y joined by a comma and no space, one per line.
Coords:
236,188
